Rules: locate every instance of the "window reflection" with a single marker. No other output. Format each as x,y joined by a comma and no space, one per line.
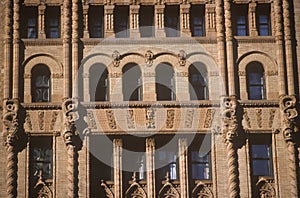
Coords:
40,84
255,81
200,165
198,85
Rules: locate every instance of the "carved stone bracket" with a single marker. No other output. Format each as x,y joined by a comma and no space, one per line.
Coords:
182,58
116,58
149,56
109,193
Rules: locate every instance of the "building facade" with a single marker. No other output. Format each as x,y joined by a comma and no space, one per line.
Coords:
149,99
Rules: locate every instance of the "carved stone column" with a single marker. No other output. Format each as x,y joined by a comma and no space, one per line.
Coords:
279,46
229,47
159,20
117,151
75,48
183,167
108,20
210,10
252,19
185,19
289,114
150,166
230,133
221,45
85,8
13,140
134,21
41,23
66,46
72,140
288,47
7,48
16,48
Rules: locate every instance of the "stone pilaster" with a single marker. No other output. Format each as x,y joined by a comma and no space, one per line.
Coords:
134,21
108,20
41,19
230,133
185,19
150,166
229,48
289,115
159,20
16,48
117,152
288,47
210,19
279,46
252,19
85,9
66,46
75,36
183,167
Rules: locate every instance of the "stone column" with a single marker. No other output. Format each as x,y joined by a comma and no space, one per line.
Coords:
75,40
134,21
288,47
150,166
289,114
183,167
85,8
159,20
66,47
221,46
16,48
185,19
71,138
41,23
117,152
7,48
252,19
108,20
229,48
210,18
279,46
230,132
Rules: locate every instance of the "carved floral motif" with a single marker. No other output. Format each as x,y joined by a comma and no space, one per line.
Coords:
150,118
170,118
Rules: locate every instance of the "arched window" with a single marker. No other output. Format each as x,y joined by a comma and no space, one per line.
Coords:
132,82
165,84
99,85
255,81
40,84
198,84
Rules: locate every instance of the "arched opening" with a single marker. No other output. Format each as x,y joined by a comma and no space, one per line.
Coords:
98,83
165,83
40,83
255,81
132,82
198,82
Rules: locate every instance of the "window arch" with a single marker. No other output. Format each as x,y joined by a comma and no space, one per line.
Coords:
255,81
165,83
98,83
41,84
132,82
198,82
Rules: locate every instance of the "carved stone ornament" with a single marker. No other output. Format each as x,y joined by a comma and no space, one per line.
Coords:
229,118
170,118
41,189
108,192
111,119
168,189
289,114
149,56
182,58
264,188
150,118
201,190
135,189
116,58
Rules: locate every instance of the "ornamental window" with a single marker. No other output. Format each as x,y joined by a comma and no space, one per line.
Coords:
255,81
198,82
41,84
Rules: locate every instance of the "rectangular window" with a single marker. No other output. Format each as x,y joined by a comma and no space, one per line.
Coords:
121,21
172,20
96,16
263,19
197,20
29,22
53,22
146,17
240,20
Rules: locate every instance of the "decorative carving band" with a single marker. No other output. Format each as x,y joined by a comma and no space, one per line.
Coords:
170,118
111,119
150,118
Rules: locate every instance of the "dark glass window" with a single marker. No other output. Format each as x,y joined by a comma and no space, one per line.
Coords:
263,20
165,85
132,82
255,81
169,159
197,20
29,20
172,20
146,17
201,165
40,84
53,22
96,21
121,21
240,17
198,85
99,83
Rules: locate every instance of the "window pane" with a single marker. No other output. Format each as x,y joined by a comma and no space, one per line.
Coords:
255,93
255,78
261,167
260,151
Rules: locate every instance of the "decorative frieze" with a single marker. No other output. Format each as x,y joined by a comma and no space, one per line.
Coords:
209,118
41,120
189,118
130,119
170,118
150,118
111,119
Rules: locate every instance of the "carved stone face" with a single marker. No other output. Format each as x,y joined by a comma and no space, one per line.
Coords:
68,137
288,134
230,135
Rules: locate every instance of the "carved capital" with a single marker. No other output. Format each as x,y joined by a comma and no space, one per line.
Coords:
149,56
182,58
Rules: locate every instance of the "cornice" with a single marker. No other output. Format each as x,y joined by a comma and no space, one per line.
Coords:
256,39
259,103
42,106
42,42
